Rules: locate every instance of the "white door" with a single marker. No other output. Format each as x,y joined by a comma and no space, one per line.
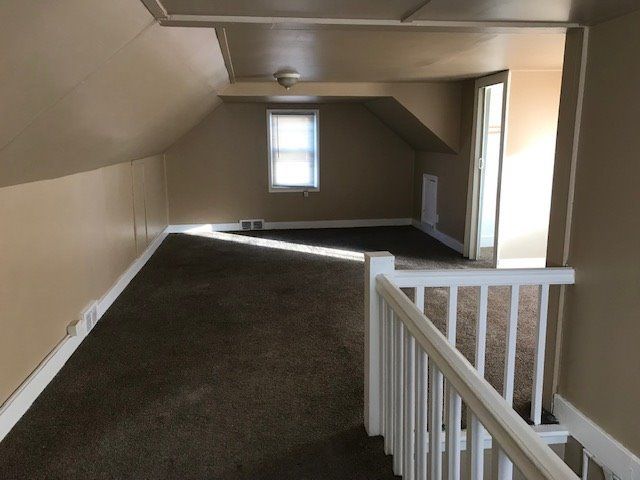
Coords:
485,172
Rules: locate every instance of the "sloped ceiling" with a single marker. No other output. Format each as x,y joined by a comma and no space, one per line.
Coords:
426,115
406,125
87,83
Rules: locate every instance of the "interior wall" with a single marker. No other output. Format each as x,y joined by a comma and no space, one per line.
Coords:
89,83
433,105
600,354
452,171
64,243
527,166
218,172
560,194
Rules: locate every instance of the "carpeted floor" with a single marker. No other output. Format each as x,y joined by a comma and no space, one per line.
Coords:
227,361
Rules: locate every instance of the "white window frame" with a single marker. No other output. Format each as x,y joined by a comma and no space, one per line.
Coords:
294,111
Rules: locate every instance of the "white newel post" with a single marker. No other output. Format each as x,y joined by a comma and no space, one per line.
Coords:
376,263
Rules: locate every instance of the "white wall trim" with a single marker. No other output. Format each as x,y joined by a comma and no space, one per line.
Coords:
606,450
181,20
374,222
438,235
230,227
537,262
203,227
19,402
114,292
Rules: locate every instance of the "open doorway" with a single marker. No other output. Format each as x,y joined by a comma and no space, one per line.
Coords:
489,134
511,168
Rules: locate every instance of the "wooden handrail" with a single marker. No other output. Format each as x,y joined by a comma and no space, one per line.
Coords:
481,276
519,441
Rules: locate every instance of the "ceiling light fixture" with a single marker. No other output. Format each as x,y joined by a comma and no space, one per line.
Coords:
287,78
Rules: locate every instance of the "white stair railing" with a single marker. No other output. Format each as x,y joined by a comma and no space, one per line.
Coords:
405,351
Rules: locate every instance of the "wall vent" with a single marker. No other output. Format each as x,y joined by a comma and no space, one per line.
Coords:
84,324
90,315
252,224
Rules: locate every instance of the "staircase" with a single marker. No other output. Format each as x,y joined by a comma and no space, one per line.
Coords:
416,381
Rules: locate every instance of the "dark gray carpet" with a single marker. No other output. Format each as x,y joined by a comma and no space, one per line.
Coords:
416,250
223,361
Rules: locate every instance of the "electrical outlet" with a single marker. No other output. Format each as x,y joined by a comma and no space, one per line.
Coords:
245,224
77,328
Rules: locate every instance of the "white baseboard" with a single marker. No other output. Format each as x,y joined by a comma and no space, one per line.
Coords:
438,235
372,222
19,402
522,262
114,292
230,227
203,228
606,450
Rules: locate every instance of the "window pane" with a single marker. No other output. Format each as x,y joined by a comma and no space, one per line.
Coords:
293,150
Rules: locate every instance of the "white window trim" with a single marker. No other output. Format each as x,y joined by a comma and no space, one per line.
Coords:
300,111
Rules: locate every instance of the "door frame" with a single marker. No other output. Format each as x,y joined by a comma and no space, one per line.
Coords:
471,246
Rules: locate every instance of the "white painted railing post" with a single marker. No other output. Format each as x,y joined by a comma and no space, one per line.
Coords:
376,263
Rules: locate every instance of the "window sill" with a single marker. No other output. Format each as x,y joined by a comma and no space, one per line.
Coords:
292,190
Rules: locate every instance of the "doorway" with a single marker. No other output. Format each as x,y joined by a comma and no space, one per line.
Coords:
488,142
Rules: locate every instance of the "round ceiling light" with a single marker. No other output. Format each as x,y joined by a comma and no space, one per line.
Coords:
287,78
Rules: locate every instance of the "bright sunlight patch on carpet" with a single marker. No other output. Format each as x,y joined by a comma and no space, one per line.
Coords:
279,245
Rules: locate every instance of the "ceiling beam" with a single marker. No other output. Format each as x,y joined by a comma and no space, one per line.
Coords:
156,8
221,33
301,22
414,12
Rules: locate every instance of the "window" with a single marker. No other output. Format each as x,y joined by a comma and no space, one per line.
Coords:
293,150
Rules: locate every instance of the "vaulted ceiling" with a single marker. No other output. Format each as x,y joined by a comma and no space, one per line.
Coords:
87,83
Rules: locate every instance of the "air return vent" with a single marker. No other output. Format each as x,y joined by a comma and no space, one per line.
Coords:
84,324
252,224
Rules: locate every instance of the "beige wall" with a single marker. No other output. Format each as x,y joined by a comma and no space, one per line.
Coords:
559,198
452,172
149,199
64,242
89,83
600,355
436,105
527,166
218,172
